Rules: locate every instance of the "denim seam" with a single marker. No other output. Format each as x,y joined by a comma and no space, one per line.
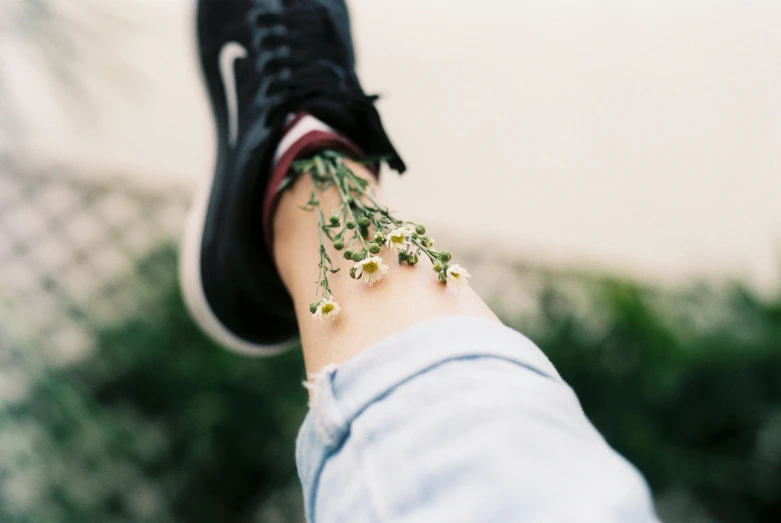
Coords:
312,501
329,421
371,493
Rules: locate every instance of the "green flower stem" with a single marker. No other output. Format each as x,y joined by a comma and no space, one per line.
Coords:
343,193
360,209
432,254
322,282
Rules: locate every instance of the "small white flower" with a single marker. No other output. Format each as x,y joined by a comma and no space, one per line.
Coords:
398,238
457,276
372,270
327,310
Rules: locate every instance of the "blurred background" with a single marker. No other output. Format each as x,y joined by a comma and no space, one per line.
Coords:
610,172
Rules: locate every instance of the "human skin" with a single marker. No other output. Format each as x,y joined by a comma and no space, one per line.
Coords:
406,295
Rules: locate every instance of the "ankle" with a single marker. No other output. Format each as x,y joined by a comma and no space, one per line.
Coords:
295,232
304,136
370,312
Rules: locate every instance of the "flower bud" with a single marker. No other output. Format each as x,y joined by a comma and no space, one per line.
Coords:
364,222
412,259
420,229
357,256
348,254
403,256
380,238
374,248
445,256
338,245
350,224
437,267
442,277
313,308
427,242
352,272
334,219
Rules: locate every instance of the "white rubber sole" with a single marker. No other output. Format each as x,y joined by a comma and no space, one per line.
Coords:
190,280
192,288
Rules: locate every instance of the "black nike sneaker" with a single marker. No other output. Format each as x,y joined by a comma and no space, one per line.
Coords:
264,61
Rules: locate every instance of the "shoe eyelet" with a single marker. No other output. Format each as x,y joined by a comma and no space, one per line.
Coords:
263,20
272,40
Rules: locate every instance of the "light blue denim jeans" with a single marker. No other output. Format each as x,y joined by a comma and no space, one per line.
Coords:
458,420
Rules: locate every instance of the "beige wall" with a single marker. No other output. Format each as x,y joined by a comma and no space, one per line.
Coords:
640,136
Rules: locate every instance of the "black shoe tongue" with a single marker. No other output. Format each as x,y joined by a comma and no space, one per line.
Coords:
360,122
327,87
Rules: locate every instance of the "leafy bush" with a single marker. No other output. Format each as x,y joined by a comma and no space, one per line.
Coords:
686,384
159,425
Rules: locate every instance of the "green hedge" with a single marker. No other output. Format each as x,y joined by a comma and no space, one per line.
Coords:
159,425
685,384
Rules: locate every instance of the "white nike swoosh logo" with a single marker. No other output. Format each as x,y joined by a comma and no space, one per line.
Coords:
229,53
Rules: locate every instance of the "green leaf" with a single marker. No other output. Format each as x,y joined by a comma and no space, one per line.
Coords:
360,181
319,167
287,181
302,166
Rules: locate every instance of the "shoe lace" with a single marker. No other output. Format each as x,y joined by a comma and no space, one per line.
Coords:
309,65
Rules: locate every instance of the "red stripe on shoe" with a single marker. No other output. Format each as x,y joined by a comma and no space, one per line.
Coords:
308,144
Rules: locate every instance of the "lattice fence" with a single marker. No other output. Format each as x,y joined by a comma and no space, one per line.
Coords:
68,249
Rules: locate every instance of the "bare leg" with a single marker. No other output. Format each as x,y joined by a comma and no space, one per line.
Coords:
408,295
439,436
